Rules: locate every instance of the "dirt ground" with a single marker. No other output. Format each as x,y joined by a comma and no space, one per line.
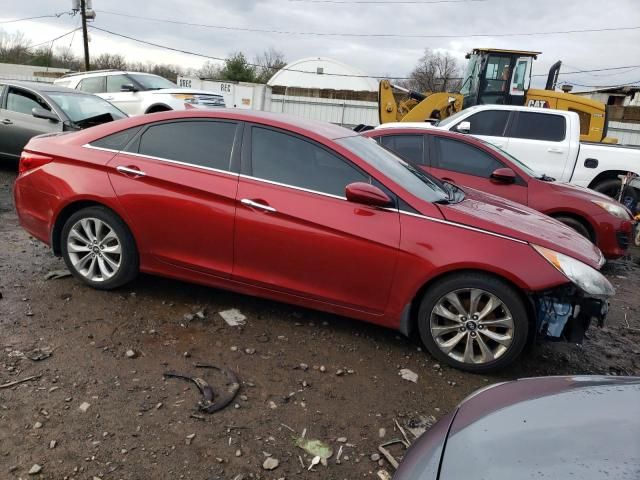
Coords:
139,425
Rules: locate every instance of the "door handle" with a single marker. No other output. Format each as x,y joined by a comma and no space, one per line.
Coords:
130,171
260,206
6,121
555,150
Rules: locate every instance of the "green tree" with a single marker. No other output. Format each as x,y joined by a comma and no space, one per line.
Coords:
236,68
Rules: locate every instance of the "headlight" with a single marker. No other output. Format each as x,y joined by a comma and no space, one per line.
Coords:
186,98
614,209
582,275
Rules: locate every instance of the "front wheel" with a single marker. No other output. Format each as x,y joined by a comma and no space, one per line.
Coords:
473,322
99,249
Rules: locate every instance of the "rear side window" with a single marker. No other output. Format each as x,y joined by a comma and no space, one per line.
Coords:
116,141
202,143
409,147
290,160
460,157
92,85
490,122
539,126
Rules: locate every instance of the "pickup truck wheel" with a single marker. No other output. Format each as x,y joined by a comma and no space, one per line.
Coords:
577,225
611,188
473,322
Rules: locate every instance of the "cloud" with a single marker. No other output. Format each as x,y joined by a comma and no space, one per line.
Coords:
376,56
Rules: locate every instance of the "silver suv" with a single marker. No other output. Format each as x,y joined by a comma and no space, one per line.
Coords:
138,93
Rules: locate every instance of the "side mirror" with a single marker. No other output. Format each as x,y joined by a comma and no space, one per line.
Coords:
503,175
464,127
40,112
366,194
128,87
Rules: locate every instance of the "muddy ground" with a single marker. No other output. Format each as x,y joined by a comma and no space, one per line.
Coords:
139,425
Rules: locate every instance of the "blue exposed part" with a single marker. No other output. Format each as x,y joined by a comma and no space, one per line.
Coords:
552,316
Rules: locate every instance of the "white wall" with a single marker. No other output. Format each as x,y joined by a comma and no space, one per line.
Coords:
626,133
259,97
10,71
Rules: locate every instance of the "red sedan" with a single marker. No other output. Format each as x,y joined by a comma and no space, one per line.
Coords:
472,162
312,214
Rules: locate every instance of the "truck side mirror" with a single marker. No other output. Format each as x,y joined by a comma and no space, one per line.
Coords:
464,127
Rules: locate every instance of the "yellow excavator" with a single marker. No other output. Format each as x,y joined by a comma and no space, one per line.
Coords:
494,77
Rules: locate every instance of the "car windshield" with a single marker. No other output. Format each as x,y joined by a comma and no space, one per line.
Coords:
80,107
417,182
152,82
518,163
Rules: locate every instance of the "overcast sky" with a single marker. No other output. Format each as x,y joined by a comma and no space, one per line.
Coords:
375,56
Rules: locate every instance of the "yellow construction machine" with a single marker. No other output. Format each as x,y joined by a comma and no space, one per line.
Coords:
494,77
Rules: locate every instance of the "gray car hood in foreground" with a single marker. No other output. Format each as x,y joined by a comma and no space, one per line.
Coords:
549,427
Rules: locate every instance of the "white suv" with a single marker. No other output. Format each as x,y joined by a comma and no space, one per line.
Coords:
138,93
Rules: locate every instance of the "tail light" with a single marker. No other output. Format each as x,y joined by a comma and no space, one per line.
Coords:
29,161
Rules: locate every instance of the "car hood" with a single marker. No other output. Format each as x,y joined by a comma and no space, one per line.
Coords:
583,193
186,91
547,427
498,215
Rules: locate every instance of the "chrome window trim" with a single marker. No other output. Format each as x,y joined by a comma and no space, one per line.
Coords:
466,227
302,189
168,160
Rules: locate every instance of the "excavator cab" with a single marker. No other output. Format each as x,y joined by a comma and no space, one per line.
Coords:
497,77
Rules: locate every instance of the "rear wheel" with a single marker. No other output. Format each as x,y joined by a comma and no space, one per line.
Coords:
99,249
577,225
474,322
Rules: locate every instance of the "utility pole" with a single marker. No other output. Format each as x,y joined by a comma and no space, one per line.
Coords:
85,36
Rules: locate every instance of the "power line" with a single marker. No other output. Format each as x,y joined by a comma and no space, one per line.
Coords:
365,35
635,83
53,39
54,15
588,71
386,2
222,59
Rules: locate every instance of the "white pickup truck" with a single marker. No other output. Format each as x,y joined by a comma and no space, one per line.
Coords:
548,141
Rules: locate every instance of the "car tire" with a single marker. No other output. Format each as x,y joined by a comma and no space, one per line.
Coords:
99,249
611,188
441,324
576,225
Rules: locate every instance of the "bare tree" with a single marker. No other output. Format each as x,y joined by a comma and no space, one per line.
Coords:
14,48
109,60
209,71
435,72
269,62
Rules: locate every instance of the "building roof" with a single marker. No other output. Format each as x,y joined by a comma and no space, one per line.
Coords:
323,73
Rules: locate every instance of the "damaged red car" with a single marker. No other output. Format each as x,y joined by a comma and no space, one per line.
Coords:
311,214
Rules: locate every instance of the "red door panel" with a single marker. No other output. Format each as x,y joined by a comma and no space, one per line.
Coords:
517,193
182,215
315,245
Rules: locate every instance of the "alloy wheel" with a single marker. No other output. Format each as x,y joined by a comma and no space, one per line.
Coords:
472,326
94,249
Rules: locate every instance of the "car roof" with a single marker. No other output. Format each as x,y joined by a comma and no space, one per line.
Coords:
393,125
311,128
110,71
40,86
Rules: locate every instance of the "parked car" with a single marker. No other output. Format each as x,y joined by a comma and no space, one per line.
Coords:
139,93
312,214
28,109
469,161
585,427
548,141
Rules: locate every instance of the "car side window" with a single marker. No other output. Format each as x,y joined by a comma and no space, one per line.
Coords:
460,157
409,147
290,160
92,85
115,83
116,141
539,126
488,122
203,143
22,101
